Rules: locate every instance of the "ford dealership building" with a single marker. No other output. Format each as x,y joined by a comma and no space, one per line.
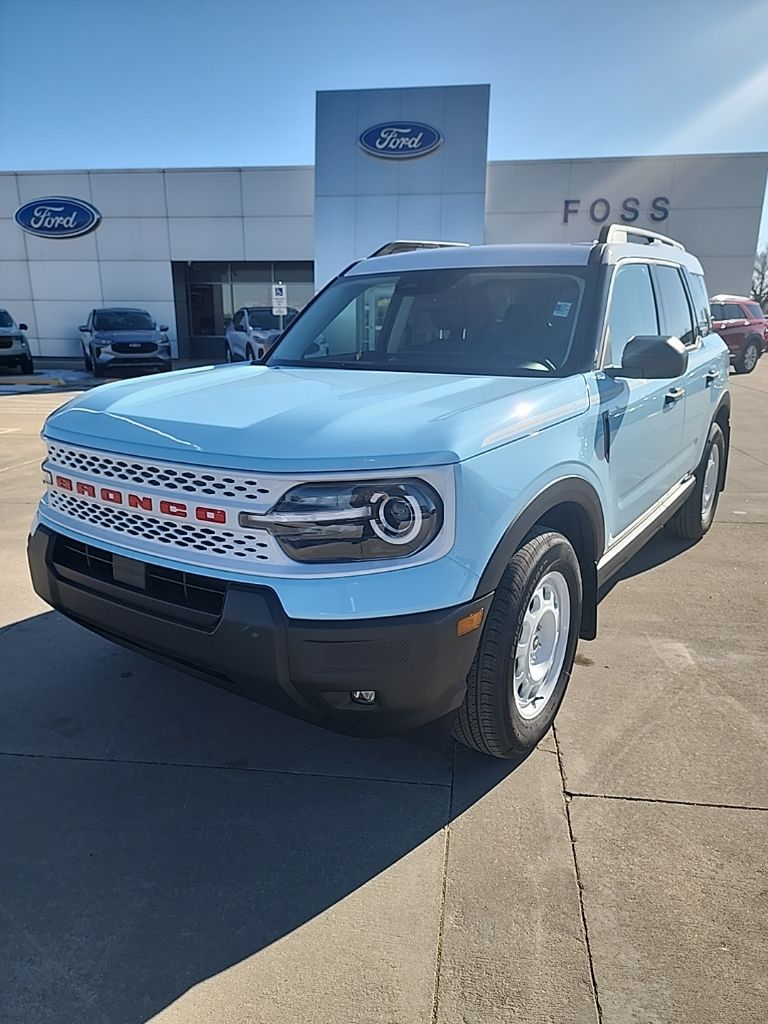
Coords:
193,246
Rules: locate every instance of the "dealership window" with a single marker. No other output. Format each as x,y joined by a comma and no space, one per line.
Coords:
213,292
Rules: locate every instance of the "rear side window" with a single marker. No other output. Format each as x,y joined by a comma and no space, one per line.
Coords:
632,310
674,304
727,311
700,303
755,310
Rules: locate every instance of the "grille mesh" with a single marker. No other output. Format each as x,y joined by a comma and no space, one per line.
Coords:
160,475
164,532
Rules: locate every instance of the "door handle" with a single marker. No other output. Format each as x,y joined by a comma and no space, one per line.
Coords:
674,395
712,376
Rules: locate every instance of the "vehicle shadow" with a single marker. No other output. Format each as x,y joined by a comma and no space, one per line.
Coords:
157,831
660,549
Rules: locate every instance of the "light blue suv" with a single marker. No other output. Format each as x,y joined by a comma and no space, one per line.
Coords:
405,515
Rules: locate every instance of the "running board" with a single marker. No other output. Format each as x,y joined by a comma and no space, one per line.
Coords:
640,532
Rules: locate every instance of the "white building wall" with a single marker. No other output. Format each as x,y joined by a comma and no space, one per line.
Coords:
149,218
714,202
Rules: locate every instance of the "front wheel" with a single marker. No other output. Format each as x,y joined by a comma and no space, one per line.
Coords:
747,361
228,354
695,517
27,365
87,361
522,666
249,353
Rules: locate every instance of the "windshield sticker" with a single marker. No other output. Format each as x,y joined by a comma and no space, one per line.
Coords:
562,309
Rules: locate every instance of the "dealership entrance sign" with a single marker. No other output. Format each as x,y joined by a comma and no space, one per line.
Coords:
400,140
57,217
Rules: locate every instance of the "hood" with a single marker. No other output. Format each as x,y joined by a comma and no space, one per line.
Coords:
110,336
276,419
5,331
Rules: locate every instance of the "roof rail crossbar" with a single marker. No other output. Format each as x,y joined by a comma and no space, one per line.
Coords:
621,233
402,246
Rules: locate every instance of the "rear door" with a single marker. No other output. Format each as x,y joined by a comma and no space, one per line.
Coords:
682,299
732,324
642,419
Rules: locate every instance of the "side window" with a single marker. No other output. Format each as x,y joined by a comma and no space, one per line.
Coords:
239,320
632,310
674,304
755,311
700,303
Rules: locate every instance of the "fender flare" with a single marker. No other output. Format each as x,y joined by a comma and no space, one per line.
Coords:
724,403
571,490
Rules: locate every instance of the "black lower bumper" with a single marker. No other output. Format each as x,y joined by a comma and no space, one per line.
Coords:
417,664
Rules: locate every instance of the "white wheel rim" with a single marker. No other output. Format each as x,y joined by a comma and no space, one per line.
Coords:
711,479
750,357
538,658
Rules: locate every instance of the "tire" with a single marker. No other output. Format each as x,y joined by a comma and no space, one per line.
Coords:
99,371
695,517
249,354
87,361
228,354
747,361
27,365
495,719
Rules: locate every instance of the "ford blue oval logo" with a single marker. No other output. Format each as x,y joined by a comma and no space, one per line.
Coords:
399,140
57,217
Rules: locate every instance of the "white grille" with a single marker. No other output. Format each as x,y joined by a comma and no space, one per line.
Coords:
187,480
164,532
98,492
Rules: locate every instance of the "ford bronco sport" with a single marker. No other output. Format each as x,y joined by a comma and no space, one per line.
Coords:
405,515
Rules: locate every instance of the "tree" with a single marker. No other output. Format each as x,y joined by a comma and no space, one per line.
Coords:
760,277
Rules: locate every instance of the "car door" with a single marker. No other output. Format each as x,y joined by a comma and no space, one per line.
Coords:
732,324
86,335
708,358
642,420
236,336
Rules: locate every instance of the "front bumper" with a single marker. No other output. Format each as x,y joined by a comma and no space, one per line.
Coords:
417,664
107,358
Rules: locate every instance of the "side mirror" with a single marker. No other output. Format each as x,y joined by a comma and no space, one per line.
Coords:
83,327
652,357
164,328
23,327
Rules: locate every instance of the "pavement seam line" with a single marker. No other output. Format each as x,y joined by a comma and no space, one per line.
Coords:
749,455
662,800
443,891
219,768
579,883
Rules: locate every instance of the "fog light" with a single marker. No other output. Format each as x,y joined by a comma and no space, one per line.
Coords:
363,696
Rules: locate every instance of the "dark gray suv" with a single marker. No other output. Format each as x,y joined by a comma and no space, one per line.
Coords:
120,337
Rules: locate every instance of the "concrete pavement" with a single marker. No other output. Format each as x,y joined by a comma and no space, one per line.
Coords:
171,852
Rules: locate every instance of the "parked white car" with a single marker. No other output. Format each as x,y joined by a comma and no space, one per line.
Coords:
253,331
14,348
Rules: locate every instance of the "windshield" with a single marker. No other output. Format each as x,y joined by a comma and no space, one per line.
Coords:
265,320
123,320
519,321
6,320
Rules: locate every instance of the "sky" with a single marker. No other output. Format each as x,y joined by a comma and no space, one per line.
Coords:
165,83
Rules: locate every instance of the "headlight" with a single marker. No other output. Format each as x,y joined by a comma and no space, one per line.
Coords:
353,521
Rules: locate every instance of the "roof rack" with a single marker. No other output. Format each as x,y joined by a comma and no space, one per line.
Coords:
392,247
621,233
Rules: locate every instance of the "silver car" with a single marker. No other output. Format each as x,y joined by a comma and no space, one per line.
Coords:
119,337
253,332
14,347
